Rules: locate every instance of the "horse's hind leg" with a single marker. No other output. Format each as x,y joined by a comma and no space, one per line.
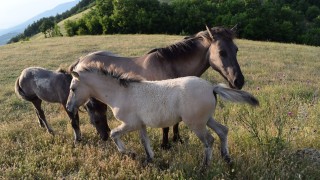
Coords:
75,124
222,132
165,140
176,136
41,117
146,143
206,138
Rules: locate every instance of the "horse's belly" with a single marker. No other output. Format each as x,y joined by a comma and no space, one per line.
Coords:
161,121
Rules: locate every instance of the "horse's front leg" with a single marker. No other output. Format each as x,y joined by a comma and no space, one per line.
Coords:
74,116
146,143
116,134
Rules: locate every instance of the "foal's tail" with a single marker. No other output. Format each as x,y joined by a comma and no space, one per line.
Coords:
20,92
235,95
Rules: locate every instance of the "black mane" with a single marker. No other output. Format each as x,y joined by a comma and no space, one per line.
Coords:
173,51
189,44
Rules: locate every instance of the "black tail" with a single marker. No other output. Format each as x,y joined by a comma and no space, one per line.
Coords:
21,93
235,95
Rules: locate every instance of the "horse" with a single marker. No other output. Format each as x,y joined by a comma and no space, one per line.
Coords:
36,84
190,57
139,104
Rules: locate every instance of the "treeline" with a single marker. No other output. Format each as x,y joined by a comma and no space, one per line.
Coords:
294,21
48,25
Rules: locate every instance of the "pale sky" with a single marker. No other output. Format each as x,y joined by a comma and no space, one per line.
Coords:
14,12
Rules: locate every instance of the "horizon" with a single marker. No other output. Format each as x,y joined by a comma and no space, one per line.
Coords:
15,12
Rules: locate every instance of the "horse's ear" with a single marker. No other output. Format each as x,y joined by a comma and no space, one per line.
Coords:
210,34
75,75
234,28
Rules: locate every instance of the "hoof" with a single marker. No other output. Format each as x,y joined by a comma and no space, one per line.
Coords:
77,140
104,138
177,139
131,154
203,168
165,146
147,162
51,132
228,160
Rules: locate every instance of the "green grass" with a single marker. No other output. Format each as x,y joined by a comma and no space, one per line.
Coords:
262,141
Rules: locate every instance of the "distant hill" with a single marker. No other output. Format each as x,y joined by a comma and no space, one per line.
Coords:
6,37
7,34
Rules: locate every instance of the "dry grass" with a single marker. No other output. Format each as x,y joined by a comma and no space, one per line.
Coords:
284,77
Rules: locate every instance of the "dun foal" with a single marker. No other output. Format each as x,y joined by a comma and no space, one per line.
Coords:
155,104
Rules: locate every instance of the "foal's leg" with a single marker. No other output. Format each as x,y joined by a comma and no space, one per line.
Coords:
146,143
41,117
222,132
74,123
207,139
116,134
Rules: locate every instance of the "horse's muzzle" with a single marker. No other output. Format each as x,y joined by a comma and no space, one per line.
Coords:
238,82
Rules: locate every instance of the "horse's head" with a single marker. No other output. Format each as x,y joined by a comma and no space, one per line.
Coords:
78,95
222,55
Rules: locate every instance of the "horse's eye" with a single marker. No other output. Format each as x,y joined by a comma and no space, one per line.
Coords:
223,53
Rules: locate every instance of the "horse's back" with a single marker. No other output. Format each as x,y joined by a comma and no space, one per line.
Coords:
43,83
164,103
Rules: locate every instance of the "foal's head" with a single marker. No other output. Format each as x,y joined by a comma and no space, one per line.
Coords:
222,55
79,93
80,90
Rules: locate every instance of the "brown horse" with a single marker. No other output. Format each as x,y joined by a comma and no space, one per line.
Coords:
189,57
37,84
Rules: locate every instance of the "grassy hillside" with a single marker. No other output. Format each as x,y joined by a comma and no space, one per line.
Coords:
61,24
263,141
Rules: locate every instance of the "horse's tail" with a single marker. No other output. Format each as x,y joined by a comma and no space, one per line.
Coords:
20,92
235,95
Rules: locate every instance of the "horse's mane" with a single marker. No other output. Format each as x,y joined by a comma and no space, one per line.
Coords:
188,45
124,79
181,48
218,32
61,70
72,66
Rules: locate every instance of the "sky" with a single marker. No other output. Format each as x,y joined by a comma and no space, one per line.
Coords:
15,12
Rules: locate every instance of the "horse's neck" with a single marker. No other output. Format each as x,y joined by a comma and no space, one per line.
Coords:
192,65
106,89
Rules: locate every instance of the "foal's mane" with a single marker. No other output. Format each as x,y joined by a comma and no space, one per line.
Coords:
124,79
188,45
61,70
66,73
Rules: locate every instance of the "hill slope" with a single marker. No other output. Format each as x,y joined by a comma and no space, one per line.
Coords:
262,141
7,34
